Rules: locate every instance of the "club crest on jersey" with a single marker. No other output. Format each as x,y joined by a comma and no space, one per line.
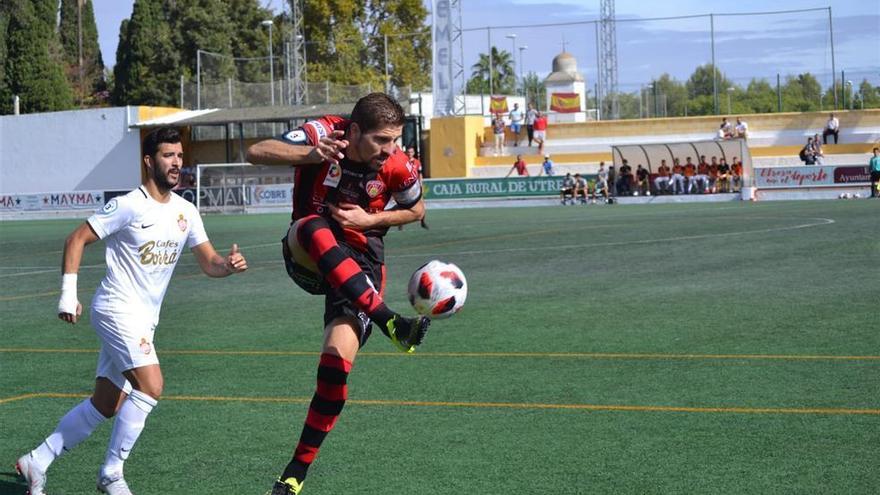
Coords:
181,222
146,347
334,174
374,188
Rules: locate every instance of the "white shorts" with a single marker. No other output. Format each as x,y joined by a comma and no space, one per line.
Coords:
542,135
126,343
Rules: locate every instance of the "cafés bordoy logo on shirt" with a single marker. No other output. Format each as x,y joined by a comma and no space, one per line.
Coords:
158,252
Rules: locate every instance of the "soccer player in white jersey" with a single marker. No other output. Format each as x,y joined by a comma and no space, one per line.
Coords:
145,232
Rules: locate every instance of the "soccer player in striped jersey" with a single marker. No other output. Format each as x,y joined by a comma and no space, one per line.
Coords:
346,173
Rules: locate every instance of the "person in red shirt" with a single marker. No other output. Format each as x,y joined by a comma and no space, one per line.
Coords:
540,131
690,172
677,181
661,182
520,166
346,172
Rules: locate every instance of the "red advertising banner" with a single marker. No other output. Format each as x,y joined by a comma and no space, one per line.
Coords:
846,175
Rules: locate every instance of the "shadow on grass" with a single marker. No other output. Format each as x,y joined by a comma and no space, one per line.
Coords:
11,484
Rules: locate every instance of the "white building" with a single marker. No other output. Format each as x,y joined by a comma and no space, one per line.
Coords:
565,78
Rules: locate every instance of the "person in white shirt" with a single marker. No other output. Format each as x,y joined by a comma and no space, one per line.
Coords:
531,116
516,120
145,232
832,127
742,129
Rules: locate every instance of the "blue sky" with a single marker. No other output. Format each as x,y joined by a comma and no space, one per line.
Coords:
757,46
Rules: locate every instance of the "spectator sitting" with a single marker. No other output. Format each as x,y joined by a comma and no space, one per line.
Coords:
601,183
520,166
701,180
677,182
690,173
661,183
817,150
742,129
516,120
642,186
567,190
580,189
713,176
624,180
723,181
736,170
806,154
498,131
725,131
546,167
832,128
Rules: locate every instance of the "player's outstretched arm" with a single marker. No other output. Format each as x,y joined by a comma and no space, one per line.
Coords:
69,308
214,265
276,152
354,217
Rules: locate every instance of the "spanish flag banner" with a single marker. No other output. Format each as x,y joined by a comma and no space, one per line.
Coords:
498,104
565,102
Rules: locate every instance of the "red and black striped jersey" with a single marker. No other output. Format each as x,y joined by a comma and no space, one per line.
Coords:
315,186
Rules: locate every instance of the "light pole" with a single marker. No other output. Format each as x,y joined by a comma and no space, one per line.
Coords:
729,90
513,56
269,23
523,81
850,84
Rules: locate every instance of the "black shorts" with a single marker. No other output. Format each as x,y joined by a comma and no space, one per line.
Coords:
875,176
335,304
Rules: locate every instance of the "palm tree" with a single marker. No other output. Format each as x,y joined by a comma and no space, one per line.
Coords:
503,81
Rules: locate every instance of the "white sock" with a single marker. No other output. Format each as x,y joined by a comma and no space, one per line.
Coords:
127,428
72,429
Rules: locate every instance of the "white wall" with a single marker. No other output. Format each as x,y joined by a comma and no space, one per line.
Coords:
77,150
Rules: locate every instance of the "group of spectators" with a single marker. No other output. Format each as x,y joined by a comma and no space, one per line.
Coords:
535,124
730,131
811,153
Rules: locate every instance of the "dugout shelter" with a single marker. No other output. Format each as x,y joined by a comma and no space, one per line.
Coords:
650,155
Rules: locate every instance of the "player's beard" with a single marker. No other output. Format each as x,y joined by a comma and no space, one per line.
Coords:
163,180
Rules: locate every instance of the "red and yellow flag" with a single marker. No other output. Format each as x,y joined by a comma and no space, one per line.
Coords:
498,104
565,102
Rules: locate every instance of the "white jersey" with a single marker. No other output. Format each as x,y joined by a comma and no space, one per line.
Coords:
144,241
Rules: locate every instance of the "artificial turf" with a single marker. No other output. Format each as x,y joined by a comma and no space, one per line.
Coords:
692,348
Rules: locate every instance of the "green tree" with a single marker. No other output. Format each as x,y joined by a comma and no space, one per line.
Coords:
535,91
869,95
336,48
409,41
91,80
761,97
701,84
249,39
33,60
801,93
5,94
503,79
672,97
147,61
203,25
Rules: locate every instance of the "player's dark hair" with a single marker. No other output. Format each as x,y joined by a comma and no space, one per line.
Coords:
158,136
377,111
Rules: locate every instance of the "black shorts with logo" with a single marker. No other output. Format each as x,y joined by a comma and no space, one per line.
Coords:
335,304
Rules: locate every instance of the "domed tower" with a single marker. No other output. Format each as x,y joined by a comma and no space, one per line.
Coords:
565,82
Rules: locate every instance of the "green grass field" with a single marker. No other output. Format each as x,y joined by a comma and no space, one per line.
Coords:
698,348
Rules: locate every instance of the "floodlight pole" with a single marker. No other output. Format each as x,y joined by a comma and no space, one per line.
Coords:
269,23
833,66
714,69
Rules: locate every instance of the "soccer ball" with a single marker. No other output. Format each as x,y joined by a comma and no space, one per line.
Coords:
437,289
